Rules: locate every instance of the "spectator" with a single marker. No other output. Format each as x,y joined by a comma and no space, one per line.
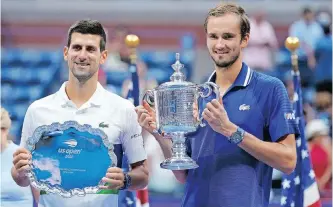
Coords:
119,53
145,82
262,44
323,102
323,54
118,58
12,195
309,32
320,145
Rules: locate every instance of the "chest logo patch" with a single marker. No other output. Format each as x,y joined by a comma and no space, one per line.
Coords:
103,125
244,107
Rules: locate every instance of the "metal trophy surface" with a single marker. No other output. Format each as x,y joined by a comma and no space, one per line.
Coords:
177,113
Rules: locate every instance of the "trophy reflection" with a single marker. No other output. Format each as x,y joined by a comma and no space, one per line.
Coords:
177,113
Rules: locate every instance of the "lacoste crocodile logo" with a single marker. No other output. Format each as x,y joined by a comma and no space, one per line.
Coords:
244,107
103,125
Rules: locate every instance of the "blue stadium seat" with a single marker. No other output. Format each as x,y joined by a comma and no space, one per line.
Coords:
27,75
116,77
114,89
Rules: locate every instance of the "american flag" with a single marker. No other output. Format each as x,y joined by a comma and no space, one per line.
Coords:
300,189
131,198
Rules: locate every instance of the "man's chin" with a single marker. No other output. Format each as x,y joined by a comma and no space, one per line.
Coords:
82,77
222,64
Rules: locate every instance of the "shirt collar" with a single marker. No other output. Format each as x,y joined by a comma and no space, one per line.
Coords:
243,78
94,101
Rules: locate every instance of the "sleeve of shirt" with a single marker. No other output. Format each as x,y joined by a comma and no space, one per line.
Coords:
27,129
282,119
132,140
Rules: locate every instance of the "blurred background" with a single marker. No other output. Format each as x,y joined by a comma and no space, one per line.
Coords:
34,33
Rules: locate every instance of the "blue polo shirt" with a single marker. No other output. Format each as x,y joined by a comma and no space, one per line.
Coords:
227,175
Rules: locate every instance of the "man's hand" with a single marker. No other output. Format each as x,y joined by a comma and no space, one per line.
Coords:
218,119
196,111
114,178
21,161
146,117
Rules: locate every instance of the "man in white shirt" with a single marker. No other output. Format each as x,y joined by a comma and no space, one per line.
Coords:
84,100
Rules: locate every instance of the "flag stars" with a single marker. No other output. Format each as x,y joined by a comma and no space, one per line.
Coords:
312,174
304,154
292,204
286,183
298,142
297,180
129,201
283,200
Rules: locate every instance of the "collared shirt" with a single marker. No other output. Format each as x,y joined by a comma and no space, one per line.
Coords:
227,175
104,110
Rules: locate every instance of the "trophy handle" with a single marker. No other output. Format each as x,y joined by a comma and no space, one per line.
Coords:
204,91
148,96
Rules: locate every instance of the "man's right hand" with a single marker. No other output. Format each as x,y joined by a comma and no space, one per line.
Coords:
21,162
146,117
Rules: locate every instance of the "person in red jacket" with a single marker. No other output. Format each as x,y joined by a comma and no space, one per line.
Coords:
319,143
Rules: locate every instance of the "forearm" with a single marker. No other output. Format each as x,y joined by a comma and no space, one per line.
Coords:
139,177
326,176
166,146
22,181
274,154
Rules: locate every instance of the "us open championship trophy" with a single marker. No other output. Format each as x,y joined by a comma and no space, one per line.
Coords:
175,104
69,159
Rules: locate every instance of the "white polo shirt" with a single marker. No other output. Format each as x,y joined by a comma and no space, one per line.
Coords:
103,108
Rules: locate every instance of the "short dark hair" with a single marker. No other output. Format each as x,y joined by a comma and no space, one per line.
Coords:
306,10
227,8
324,86
88,26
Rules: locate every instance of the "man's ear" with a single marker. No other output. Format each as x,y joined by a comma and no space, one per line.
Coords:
66,53
104,56
245,41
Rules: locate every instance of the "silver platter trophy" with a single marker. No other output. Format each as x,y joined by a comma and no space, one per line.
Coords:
70,159
177,113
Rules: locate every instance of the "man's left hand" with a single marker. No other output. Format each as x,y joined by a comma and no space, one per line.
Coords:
114,178
218,119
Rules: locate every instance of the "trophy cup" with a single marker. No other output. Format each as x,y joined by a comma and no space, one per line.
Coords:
175,103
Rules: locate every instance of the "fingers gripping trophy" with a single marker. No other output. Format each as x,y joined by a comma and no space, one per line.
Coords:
177,113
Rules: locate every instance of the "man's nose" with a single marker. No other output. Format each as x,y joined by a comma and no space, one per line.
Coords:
220,43
82,55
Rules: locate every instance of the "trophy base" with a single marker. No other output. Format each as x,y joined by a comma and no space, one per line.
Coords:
179,163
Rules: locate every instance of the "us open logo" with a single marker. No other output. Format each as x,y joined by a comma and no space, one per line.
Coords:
71,142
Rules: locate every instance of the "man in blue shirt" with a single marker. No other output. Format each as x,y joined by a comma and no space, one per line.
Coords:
323,53
250,130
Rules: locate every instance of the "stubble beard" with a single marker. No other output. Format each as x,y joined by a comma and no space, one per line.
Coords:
225,65
82,78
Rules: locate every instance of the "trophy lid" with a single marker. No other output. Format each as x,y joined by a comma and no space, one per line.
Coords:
178,77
